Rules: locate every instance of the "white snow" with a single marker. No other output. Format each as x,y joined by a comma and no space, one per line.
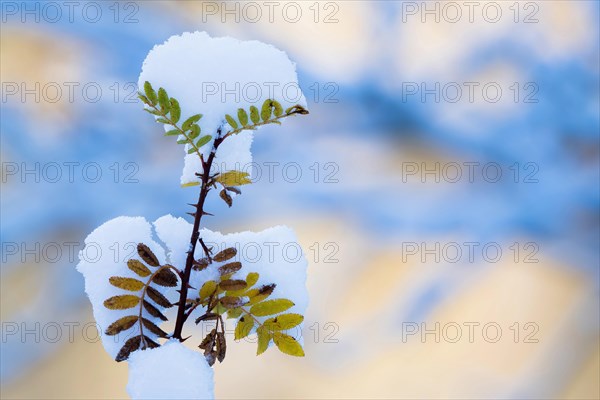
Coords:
216,76
105,254
171,371
274,253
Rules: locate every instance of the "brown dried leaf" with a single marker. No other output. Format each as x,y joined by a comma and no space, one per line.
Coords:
262,293
200,264
165,277
230,268
120,325
158,297
139,268
147,255
225,254
154,328
221,346
233,189
130,345
231,302
131,284
233,284
206,317
121,302
153,311
226,197
209,340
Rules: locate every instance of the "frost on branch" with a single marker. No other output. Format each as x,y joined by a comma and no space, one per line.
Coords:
216,77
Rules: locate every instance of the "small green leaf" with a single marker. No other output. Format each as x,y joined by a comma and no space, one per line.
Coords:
191,120
121,302
175,110
264,338
287,344
277,109
163,121
254,116
194,131
231,121
265,112
163,100
207,290
243,116
131,284
150,93
144,99
173,132
233,178
191,150
203,140
244,327
270,307
183,141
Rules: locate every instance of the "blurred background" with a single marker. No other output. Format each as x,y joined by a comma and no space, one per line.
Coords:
445,190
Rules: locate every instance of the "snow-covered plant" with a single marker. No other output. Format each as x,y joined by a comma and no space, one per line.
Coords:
199,274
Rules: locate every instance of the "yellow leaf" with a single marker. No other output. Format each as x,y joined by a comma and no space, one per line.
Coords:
190,184
139,268
207,289
131,284
122,324
264,337
270,307
122,302
233,178
283,322
244,327
252,278
288,345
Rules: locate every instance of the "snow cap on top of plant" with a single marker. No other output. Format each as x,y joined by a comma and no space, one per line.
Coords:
215,77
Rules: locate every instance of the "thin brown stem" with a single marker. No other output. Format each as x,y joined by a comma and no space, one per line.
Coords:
195,238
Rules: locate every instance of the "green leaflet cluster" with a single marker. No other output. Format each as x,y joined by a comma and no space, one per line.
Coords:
163,275
270,113
168,111
240,300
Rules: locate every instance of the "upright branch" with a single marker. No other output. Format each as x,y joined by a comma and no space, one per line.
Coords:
195,237
228,295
